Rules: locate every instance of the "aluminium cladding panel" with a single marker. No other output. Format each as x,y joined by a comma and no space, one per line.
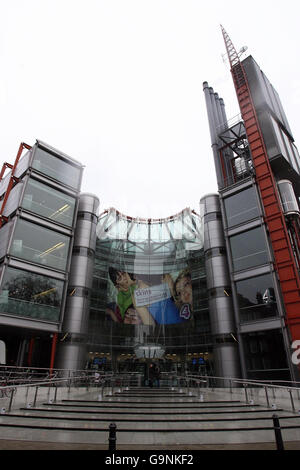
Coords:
221,315
81,273
85,234
213,235
263,93
88,203
217,273
213,229
77,314
277,141
225,361
85,231
209,203
71,356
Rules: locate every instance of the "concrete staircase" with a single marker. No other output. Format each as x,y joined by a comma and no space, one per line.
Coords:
145,418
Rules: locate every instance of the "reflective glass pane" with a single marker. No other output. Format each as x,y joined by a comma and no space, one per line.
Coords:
241,207
256,298
30,295
48,202
249,249
265,355
40,245
56,168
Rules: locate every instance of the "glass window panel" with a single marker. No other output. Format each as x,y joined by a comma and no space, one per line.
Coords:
249,249
265,355
40,245
57,168
48,202
31,295
255,290
241,207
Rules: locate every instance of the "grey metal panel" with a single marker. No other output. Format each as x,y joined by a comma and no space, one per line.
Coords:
244,227
44,222
82,271
236,188
253,272
281,111
296,154
261,325
270,131
210,203
263,93
71,356
217,272
77,316
88,203
221,319
225,362
85,234
213,235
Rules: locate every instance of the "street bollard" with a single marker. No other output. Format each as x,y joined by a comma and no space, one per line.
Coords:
277,430
12,392
112,437
35,395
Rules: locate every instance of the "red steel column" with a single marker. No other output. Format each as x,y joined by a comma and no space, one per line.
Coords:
53,350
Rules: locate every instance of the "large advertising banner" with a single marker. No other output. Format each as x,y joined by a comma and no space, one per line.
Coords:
149,300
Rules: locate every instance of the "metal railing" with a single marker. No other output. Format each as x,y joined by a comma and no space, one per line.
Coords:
269,388
13,379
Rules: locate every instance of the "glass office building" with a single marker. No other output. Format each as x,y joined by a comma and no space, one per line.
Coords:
85,287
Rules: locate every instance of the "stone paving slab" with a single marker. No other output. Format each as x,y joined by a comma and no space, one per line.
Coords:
29,445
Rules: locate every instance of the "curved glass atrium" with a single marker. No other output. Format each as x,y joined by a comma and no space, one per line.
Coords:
149,297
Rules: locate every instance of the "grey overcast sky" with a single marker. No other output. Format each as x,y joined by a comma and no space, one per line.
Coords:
117,85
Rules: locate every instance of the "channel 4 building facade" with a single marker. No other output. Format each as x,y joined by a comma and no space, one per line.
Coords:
197,291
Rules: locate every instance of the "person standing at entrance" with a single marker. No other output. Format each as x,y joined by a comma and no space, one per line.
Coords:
151,375
157,375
